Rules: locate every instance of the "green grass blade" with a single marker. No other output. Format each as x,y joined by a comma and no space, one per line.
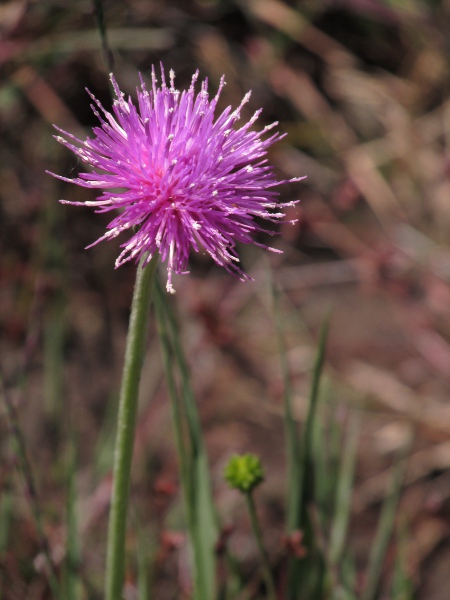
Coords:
25,470
205,520
348,575
323,492
168,360
333,450
104,447
306,577
327,456
402,587
6,529
54,339
291,428
72,559
385,527
146,549
307,439
6,516
202,520
187,395
344,492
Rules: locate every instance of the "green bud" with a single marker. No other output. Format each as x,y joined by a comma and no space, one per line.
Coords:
244,472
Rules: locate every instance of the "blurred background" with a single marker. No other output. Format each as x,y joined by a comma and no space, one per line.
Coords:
362,89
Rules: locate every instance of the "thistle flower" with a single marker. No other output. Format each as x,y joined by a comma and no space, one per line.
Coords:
185,180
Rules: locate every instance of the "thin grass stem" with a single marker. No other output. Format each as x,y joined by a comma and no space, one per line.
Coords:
385,525
195,479
108,56
291,428
344,492
72,563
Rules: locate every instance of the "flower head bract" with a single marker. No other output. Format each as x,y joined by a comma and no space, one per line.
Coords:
185,179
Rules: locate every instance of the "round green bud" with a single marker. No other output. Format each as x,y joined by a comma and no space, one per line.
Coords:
244,472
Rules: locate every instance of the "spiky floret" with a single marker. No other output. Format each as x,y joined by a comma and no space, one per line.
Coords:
186,180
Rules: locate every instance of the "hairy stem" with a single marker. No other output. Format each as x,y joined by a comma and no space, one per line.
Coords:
123,453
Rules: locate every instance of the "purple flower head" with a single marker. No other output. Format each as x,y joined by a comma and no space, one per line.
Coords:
185,180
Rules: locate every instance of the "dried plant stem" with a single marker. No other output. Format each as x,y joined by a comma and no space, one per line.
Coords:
115,556
108,57
267,573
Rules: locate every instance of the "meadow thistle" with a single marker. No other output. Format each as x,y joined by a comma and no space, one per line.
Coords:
185,180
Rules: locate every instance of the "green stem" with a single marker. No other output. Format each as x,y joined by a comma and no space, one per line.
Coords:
267,573
123,453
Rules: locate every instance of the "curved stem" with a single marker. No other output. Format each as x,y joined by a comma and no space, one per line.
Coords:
123,453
